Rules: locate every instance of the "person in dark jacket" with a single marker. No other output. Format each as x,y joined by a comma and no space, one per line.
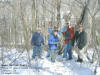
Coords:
80,40
68,35
37,41
53,40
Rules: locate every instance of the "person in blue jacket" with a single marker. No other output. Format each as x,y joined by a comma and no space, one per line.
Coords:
51,31
37,41
53,40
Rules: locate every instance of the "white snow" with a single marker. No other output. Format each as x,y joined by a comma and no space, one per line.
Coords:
44,66
98,71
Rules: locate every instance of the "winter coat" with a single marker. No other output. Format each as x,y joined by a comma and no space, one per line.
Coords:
37,39
51,42
68,35
80,38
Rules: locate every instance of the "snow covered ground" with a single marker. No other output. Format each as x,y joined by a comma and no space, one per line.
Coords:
21,66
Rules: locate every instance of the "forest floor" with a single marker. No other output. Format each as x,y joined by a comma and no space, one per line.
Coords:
44,66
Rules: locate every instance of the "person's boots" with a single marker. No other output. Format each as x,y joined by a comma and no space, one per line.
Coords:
70,58
33,57
79,60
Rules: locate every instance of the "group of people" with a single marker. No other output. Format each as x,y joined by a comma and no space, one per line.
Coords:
75,39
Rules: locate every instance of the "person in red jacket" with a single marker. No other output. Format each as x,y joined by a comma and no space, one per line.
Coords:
68,36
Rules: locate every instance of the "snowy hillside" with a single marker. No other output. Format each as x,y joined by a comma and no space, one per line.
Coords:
44,66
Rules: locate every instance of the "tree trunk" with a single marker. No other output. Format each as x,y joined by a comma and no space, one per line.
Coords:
58,13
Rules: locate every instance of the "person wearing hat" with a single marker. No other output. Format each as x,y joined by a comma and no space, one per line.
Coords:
68,36
80,40
36,41
59,32
53,40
